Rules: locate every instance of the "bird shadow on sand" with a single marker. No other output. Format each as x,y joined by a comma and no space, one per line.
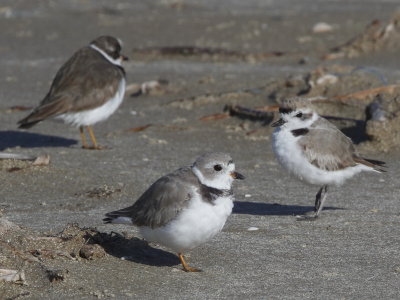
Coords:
13,138
267,209
133,249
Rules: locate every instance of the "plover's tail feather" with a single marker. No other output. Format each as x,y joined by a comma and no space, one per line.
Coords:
42,112
25,124
376,165
117,217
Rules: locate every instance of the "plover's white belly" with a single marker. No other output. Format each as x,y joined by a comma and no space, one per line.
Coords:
93,116
195,225
291,157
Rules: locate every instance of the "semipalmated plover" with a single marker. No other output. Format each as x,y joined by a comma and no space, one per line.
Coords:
87,89
185,208
315,150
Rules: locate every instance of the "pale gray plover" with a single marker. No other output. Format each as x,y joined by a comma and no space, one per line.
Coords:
315,150
87,89
185,208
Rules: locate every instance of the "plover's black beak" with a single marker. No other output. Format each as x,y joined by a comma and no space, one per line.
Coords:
236,175
124,58
278,123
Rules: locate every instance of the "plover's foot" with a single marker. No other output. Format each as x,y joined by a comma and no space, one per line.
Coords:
96,147
312,217
191,269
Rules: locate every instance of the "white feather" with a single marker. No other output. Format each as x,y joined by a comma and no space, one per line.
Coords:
117,61
222,181
195,225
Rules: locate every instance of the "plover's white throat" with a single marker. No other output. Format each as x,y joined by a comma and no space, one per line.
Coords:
315,150
185,208
86,90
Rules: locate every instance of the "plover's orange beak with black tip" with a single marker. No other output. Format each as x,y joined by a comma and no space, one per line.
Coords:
236,175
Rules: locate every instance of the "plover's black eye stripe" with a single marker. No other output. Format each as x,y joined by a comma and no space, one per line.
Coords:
230,162
299,115
218,168
285,110
305,116
300,131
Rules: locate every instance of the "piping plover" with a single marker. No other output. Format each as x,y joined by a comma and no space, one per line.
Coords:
185,208
87,89
315,150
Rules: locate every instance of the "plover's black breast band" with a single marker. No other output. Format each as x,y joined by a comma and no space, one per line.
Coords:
211,194
300,131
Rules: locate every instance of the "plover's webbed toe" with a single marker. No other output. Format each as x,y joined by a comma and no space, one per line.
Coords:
97,147
191,269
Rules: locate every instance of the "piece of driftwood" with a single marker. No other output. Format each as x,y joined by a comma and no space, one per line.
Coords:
205,52
265,114
12,276
214,117
17,156
140,128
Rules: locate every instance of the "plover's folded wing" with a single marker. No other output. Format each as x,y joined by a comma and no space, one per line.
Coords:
79,80
161,203
327,149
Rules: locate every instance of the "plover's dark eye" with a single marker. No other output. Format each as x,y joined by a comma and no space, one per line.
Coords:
299,115
217,168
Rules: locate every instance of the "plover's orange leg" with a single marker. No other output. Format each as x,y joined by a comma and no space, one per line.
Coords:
83,138
186,267
93,139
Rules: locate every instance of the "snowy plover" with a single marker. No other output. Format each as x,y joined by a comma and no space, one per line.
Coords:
87,89
185,208
315,150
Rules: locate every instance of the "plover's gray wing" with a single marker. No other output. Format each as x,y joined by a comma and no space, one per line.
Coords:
161,202
323,123
326,148
334,150
86,81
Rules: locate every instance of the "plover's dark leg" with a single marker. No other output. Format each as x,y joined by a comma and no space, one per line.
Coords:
93,139
318,199
319,204
83,138
186,267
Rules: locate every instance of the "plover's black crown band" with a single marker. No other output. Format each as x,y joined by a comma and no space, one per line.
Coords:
285,110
